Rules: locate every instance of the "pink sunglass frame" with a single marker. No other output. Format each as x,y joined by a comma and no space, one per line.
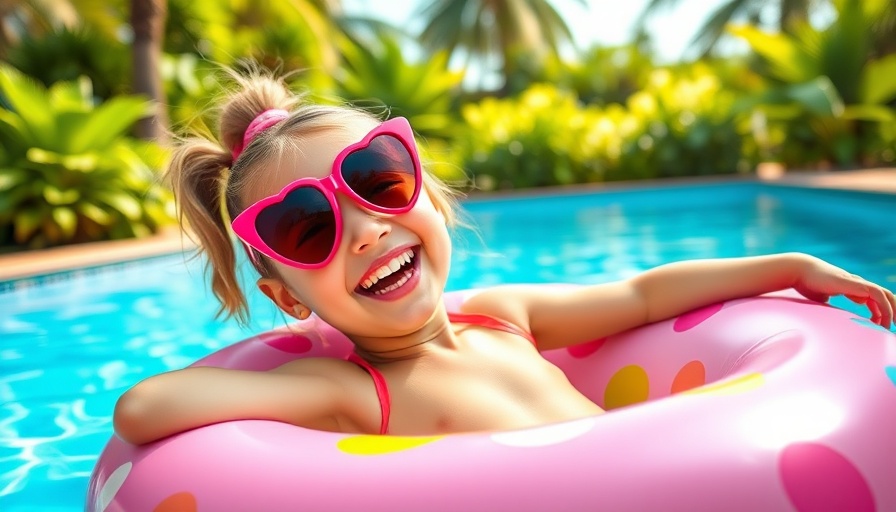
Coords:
244,223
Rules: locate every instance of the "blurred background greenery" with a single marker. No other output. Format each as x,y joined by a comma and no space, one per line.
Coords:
91,91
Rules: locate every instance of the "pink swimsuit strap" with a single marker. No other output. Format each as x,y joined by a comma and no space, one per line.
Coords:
382,390
379,382
490,322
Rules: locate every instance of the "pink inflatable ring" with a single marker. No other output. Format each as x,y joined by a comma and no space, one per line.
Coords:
770,403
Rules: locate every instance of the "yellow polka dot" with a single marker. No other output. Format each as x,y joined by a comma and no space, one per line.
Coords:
629,385
380,445
741,384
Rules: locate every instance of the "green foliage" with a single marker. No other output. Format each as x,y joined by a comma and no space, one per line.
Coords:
602,75
377,76
66,54
482,29
280,34
534,140
191,87
827,101
686,127
677,125
68,172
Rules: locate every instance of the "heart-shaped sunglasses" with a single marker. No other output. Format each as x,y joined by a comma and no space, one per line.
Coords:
301,226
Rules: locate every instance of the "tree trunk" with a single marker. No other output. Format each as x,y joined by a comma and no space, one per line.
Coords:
792,11
148,24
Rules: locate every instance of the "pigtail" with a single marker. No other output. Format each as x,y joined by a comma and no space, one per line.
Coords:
206,193
197,174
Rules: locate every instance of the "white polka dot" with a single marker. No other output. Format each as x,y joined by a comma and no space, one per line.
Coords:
547,435
112,485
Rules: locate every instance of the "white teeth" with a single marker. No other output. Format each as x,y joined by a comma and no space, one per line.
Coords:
397,285
387,270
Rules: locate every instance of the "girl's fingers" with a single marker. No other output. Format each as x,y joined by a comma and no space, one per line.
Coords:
884,308
891,299
880,306
879,301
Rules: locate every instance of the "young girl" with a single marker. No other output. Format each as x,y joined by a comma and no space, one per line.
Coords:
340,219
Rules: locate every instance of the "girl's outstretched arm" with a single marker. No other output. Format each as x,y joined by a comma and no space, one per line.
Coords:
673,289
562,317
173,402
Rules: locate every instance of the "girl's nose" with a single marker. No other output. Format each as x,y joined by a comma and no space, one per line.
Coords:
362,229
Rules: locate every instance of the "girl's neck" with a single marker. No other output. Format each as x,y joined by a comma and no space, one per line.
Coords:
436,332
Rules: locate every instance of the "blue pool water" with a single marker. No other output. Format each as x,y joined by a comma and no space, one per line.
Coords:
71,344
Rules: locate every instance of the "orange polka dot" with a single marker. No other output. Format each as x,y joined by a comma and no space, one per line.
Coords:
627,386
690,376
179,502
739,385
380,445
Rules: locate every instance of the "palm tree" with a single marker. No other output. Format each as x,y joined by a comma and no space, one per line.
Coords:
494,28
790,13
148,24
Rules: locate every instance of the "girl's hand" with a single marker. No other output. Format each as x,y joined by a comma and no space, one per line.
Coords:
820,280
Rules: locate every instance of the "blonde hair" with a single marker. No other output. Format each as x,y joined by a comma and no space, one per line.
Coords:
208,184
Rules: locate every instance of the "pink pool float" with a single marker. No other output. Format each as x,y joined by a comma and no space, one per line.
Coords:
772,403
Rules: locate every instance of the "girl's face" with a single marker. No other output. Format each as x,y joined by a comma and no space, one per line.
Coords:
388,273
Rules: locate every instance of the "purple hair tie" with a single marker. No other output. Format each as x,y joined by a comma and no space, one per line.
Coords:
261,123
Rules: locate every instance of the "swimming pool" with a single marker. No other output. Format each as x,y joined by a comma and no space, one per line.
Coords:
72,343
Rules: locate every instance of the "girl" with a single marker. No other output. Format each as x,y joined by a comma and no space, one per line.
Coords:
340,219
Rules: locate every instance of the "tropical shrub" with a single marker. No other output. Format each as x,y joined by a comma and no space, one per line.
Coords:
601,76
537,139
68,172
828,100
191,86
67,54
376,75
280,34
686,126
679,124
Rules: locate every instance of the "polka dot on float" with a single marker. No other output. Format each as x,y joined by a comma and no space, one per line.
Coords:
627,386
696,317
586,349
294,344
820,479
547,435
690,376
112,485
741,384
891,373
381,445
179,502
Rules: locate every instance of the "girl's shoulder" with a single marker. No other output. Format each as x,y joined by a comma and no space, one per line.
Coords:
507,302
328,368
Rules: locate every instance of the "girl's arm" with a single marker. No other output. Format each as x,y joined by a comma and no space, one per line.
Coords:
181,400
561,317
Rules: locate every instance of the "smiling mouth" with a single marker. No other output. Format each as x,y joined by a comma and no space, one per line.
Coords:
391,276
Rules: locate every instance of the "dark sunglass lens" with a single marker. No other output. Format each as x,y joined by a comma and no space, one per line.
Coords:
301,228
382,173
